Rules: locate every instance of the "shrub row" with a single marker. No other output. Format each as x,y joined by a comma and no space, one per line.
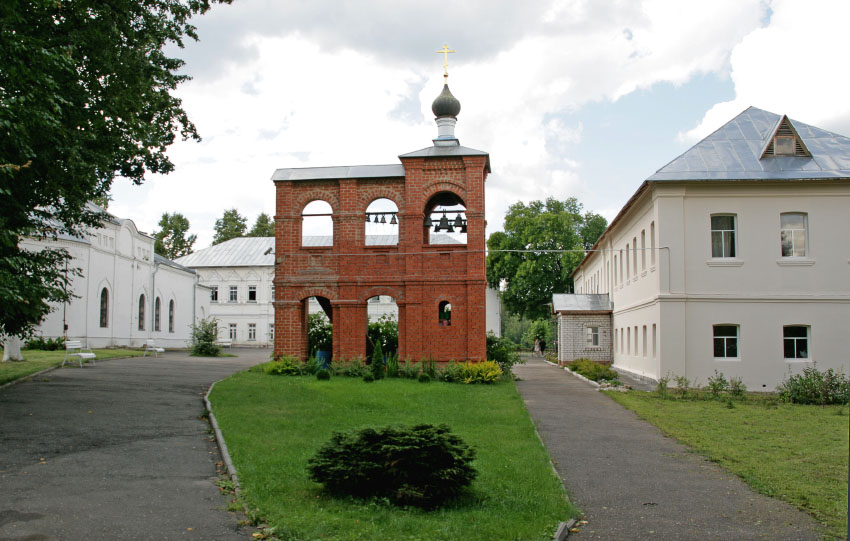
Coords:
45,344
593,370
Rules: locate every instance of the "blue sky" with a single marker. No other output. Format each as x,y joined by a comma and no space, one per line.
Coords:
581,98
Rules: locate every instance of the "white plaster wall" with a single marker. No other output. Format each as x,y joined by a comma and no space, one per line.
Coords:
241,312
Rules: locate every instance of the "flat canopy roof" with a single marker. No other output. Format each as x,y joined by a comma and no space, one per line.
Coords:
562,302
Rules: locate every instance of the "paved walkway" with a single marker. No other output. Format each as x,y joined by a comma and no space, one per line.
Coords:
634,483
115,451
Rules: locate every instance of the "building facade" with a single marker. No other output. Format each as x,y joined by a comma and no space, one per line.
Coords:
439,288
733,257
125,294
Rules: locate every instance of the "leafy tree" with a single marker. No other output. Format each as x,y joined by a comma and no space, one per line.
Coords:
383,331
532,276
231,225
85,95
171,240
263,227
319,333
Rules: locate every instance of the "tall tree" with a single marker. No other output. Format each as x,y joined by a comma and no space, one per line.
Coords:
263,227
85,95
517,257
171,239
230,226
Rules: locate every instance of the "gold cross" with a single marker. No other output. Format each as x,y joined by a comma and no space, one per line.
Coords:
445,52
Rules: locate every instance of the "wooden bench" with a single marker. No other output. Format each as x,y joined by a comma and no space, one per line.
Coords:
224,342
150,347
74,348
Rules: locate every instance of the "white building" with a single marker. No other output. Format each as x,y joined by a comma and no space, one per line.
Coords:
733,257
125,294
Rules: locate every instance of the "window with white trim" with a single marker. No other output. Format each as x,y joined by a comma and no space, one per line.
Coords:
652,243
232,328
252,293
271,332
234,294
792,233
795,340
726,341
213,293
723,235
643,249
592,336
252,331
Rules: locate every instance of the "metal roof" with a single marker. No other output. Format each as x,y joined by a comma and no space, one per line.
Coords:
563,302
733,152
239,252
438,151
345,171
165,261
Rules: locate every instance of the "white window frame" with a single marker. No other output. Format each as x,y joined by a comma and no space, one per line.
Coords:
252,291
252,332
724,233
794,237
592,336
213,293
271,332
233,294
726,338
232,331
807,338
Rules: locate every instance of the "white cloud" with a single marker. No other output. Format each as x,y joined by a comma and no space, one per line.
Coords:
794,66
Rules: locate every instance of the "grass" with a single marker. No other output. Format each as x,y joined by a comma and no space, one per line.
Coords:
36,360
273,424
791,452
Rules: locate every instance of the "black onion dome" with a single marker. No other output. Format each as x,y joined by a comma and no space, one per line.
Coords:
445,104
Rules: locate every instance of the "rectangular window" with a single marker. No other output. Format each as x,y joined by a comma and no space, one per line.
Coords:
723,236
792,234
725,341
234,295
592,336
252,293
272,293
628,340
652,243
615,270
232,331
644,340
796,341
252,331
616,342
636,341
627,262
271,332
214,294
653,341
643,249
621,266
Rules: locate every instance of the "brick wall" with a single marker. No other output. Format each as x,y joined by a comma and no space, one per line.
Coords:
417,275
572,337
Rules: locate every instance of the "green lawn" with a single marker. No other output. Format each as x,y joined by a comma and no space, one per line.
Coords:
273,424
36,360
791,452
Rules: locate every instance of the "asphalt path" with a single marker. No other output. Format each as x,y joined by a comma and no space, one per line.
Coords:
117,450
632,482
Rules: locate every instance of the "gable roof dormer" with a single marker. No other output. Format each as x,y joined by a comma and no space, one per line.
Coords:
785,141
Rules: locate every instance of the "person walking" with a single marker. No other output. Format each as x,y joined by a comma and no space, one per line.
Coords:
536,351
543,348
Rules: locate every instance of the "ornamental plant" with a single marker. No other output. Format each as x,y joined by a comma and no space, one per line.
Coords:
422,465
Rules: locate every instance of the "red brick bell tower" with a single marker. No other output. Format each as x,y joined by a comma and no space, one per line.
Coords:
435,272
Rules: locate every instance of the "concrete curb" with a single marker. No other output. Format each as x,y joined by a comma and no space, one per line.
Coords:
222,445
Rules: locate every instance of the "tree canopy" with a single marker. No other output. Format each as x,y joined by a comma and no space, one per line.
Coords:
263,227
85,95
230,226
171,240
517,257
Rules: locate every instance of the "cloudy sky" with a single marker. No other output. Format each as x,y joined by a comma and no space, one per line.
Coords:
581,98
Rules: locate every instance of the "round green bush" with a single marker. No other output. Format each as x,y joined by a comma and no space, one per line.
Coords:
422,465
323,374
424,378
369,378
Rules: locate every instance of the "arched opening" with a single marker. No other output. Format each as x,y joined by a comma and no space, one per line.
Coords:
382,315
319,328
444,314
382,223
157,311
317,226
445,220
104,308
171,315
142,312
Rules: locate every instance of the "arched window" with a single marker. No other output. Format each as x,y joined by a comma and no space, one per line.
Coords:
142,312
156,313
171,315
444,313
317,226
446,213
382,223
104,308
